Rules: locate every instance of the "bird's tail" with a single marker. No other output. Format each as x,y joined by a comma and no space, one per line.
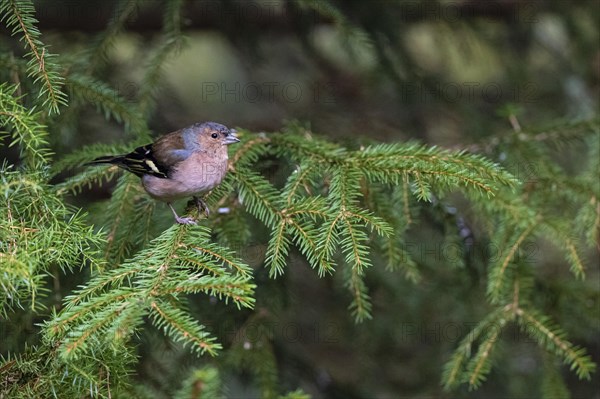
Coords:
115,160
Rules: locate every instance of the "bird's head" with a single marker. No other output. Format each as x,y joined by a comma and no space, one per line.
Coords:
212,135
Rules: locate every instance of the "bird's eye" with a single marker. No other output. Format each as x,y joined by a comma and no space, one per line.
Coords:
214,135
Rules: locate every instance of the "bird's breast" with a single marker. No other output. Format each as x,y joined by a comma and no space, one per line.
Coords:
200,172
195,175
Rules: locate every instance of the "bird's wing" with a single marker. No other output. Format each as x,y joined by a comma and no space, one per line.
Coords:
156,159
170,149
142,161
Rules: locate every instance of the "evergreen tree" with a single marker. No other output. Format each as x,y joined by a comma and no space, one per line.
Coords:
91,297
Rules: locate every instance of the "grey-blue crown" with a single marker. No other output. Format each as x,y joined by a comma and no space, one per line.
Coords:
214,126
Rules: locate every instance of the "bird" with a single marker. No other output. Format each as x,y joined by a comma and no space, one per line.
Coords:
187,162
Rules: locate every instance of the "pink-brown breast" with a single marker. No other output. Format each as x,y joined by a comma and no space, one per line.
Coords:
196,175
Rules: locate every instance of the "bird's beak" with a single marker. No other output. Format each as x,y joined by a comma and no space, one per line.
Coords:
231,139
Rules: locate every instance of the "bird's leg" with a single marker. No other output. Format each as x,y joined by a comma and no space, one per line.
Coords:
202,207
179,219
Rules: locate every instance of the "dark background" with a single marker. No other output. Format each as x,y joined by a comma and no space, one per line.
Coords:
441,72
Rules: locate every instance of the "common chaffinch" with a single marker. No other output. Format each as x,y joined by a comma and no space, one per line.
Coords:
188,162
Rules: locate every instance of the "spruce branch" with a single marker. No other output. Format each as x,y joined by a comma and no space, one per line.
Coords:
587,222
399,259
19,18
342,208
384,200
353,242
26,130
233,229
553,384
37,232
497,279
85,89
480,365
258,195
97,55
87,179
555,134
172,41
203,382
278,249
428,166
303,178
460,368
334,202
112,306
103,374
181,327
121,217
250,149
256,356
221,254
360,307
301,145
552,338
569,243
577,267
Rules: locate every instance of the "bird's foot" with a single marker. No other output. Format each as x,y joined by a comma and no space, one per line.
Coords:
182,220
202,207
179,219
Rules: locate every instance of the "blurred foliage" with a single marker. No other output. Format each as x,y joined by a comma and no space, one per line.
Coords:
463,287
